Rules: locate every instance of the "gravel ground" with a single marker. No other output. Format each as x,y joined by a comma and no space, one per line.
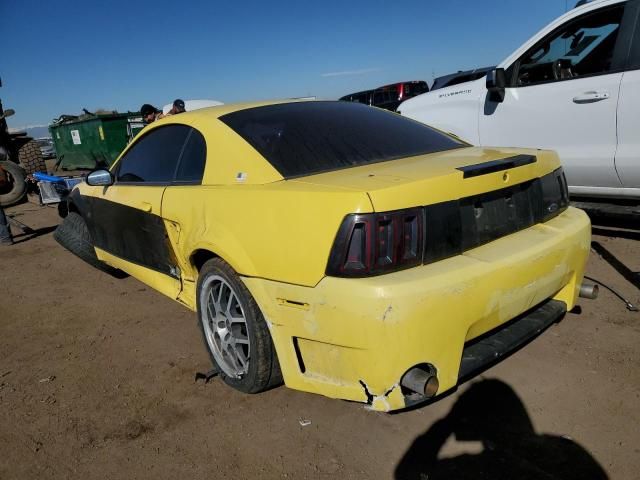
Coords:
97,381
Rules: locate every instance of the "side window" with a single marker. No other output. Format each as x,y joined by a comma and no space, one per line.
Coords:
193,159
579,48
634,54
362,98
154,157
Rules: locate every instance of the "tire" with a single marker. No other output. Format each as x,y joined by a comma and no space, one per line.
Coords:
262,370
16,189
73,234
30,158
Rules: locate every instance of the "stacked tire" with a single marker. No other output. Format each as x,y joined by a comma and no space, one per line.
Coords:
30,158
30,161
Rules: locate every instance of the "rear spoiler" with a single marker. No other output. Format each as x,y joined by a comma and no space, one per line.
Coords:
496,165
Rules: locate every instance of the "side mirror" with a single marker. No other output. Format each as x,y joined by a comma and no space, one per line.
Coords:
496,84
100,178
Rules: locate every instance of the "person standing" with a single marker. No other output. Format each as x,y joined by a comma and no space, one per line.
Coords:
5,233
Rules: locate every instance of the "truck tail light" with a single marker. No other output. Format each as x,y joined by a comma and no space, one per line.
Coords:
374,243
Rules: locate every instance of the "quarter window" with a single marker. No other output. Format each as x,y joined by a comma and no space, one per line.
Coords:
579,48
193,158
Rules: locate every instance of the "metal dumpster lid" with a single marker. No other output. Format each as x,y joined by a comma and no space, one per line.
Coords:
87,116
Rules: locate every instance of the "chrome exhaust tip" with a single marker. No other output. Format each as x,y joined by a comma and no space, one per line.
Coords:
421,380
589,290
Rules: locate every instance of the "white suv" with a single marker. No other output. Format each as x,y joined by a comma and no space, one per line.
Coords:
574,87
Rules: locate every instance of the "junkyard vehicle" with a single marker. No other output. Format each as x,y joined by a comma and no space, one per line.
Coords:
346,249
19,156
574,87
388,96
46,147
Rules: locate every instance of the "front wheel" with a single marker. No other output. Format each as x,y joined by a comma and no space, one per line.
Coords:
234,330
73,234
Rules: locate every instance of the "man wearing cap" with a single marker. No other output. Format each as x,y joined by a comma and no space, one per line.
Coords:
150,113
178,107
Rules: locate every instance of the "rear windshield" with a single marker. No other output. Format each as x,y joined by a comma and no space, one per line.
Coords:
311,137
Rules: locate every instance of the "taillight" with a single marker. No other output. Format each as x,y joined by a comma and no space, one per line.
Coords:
555,194
375,243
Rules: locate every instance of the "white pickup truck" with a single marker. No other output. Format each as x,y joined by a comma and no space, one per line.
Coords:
574,87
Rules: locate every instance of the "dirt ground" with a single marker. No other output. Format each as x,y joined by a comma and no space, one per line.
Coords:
97,381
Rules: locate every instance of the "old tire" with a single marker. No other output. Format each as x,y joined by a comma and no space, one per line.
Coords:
15,190
30,157
242,323
73,234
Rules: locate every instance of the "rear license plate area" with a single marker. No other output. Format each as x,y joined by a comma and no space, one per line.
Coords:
492,215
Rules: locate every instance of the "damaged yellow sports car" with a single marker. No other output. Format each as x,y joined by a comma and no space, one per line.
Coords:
342,249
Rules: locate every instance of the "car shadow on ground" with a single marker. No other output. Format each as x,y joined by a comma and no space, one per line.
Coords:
632,277
630,223
30,234
610,232
492,415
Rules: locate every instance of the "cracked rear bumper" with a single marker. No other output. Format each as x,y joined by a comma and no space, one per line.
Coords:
355,338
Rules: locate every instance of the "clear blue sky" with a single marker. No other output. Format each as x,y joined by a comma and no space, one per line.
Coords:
61,56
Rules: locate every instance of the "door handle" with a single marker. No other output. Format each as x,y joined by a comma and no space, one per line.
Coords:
145,207
591,97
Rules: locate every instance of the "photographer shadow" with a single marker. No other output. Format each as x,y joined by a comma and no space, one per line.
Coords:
491,413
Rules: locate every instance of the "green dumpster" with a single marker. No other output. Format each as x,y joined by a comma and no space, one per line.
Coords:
94,139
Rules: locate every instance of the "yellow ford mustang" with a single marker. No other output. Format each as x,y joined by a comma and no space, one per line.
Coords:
344,249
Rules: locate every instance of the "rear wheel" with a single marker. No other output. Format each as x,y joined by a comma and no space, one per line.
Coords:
16,188
73,234
234,330
30,157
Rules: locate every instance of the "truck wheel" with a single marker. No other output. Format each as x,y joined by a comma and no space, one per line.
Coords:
16,188
73,234
30,157
235,331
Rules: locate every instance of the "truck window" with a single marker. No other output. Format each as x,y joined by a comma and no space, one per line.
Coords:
581,47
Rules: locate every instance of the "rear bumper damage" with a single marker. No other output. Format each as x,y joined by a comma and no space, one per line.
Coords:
356,338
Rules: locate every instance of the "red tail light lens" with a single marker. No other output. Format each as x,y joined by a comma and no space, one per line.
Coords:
374,243
357,252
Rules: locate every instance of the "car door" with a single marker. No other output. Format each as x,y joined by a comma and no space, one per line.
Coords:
628,152
182,209
562,94
125,219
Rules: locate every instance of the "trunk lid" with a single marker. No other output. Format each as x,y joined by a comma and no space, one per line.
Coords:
439,177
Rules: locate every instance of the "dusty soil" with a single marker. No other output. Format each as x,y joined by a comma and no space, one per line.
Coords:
97,381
